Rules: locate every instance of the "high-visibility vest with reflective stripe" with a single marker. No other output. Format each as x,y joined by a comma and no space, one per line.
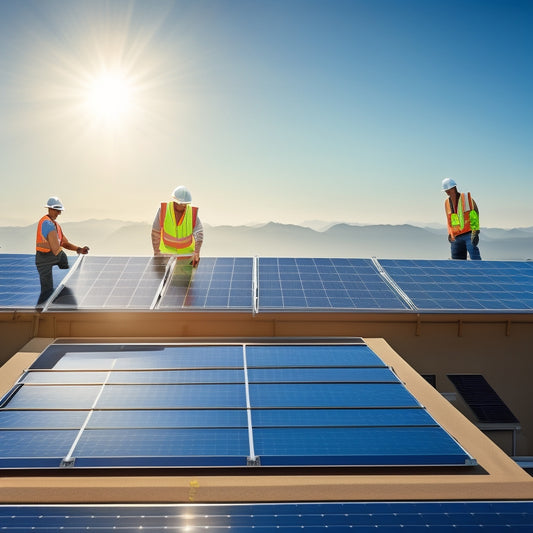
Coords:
177,236
465,219
41,243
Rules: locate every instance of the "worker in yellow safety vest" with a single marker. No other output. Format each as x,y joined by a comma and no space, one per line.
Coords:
177,229
50,243
462,216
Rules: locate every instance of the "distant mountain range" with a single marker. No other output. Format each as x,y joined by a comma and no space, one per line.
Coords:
115,237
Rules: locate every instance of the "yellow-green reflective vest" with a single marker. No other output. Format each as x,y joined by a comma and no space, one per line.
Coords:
177,236
465,219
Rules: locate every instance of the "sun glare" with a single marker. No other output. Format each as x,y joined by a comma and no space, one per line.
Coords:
110,97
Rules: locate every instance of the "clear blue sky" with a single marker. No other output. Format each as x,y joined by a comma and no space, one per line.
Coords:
284,110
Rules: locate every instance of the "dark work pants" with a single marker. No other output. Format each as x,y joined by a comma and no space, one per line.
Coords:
44,261
462,245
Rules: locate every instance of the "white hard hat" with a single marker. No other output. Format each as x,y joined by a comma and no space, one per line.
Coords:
54,203
182,195
448,183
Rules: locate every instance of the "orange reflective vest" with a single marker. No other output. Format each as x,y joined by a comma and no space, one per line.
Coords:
41,243
464,219
177,236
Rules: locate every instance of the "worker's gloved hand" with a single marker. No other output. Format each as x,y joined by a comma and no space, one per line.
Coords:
195,259
83,250
62,260
474,237
450,238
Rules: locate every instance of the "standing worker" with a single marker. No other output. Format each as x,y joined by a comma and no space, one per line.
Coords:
50,242
177,229
462,215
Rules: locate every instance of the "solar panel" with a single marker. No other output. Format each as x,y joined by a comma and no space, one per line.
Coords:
217,405
324,284
482,399
112,283
448,285
364,517
217,283
19,280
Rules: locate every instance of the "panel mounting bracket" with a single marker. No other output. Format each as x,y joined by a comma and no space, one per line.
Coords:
67,463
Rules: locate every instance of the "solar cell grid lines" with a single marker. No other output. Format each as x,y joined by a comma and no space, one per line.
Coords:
334,284
19,280
217,405
112,282
482,286
217,283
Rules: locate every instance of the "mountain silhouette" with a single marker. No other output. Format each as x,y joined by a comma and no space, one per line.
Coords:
405,241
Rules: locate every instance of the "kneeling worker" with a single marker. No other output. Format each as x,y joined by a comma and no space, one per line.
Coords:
49,245
177,229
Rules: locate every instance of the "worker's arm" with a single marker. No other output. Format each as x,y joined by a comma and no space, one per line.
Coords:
53,241
74,247
155,242
198,233
474,222
156,233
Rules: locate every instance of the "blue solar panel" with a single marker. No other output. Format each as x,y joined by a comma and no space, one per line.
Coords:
217,283
363,517
338,446
138,357
333,395
162,377
165,447
19,281
324,375
334,284
113,283
217,405
353,417
447,285
321,355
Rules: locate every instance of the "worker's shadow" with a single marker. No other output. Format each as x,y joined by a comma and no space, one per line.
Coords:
65,298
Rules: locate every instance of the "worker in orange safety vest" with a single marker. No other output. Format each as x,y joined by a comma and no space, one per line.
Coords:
177,229
50,243
462,217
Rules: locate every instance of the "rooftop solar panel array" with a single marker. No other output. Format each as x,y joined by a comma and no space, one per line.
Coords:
442,516
217,405
19,280
275,285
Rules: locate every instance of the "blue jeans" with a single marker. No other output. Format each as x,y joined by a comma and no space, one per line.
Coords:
462,245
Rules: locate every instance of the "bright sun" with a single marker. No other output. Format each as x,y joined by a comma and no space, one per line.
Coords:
110,97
